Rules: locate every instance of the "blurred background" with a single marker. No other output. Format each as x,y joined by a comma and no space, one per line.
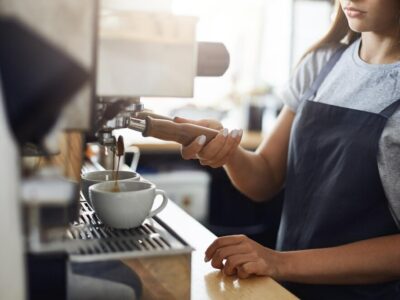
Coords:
265,39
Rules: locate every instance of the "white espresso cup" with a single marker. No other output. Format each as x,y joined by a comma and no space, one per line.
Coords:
128,207
90,178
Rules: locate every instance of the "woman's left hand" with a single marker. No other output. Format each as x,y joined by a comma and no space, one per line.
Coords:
241,256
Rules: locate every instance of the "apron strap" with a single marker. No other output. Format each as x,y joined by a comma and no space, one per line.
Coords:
390,110
312,91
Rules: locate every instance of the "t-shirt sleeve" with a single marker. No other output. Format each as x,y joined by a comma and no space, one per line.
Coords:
389,164
303,76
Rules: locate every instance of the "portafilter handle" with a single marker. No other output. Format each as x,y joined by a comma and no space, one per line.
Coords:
167,130
144,114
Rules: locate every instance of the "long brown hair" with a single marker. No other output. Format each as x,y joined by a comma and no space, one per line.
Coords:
339,32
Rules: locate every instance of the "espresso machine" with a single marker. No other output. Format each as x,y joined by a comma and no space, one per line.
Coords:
73,71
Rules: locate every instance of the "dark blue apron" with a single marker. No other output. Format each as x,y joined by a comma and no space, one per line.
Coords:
333,194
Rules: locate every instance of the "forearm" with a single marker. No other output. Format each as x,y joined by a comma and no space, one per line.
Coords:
251,175
366,262
260,175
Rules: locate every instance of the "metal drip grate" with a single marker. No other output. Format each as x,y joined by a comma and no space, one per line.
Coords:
99,242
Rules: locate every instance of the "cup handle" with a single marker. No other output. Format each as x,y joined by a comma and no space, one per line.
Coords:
162,206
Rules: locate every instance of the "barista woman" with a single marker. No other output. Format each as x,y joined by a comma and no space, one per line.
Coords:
336,150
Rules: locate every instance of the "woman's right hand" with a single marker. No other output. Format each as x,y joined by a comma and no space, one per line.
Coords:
218,151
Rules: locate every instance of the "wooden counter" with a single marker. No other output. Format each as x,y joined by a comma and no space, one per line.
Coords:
250,140
208,283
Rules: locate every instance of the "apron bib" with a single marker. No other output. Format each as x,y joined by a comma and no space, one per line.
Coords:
333,194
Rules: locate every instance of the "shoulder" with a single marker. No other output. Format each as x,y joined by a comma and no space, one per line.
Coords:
304,75
310,66
313,62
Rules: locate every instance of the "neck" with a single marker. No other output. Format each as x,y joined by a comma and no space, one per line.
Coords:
380,48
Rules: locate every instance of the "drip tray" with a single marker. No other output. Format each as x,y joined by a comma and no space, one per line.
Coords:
94,241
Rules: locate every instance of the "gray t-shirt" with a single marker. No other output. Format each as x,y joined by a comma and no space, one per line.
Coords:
355,84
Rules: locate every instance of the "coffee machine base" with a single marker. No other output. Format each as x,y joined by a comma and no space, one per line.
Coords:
154,252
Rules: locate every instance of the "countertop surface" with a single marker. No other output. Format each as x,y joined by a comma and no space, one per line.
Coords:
208,283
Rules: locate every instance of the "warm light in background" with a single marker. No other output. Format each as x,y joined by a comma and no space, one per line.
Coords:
265,39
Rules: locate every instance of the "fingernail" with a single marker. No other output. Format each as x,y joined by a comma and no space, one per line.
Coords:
206,259
225,132
234,133
240,132
201,140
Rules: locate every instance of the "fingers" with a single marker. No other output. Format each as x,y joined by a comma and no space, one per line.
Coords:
223,242
257,267
210,151
191,151
234,262
242,256
226,252
217,152
232,142
196,150
244,271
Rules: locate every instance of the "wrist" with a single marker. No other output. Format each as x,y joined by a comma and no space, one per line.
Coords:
284,262
233,158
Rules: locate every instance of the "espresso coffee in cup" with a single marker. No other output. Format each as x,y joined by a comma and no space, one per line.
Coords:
128,207
90,178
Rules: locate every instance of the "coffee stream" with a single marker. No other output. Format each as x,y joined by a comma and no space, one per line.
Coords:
119,152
